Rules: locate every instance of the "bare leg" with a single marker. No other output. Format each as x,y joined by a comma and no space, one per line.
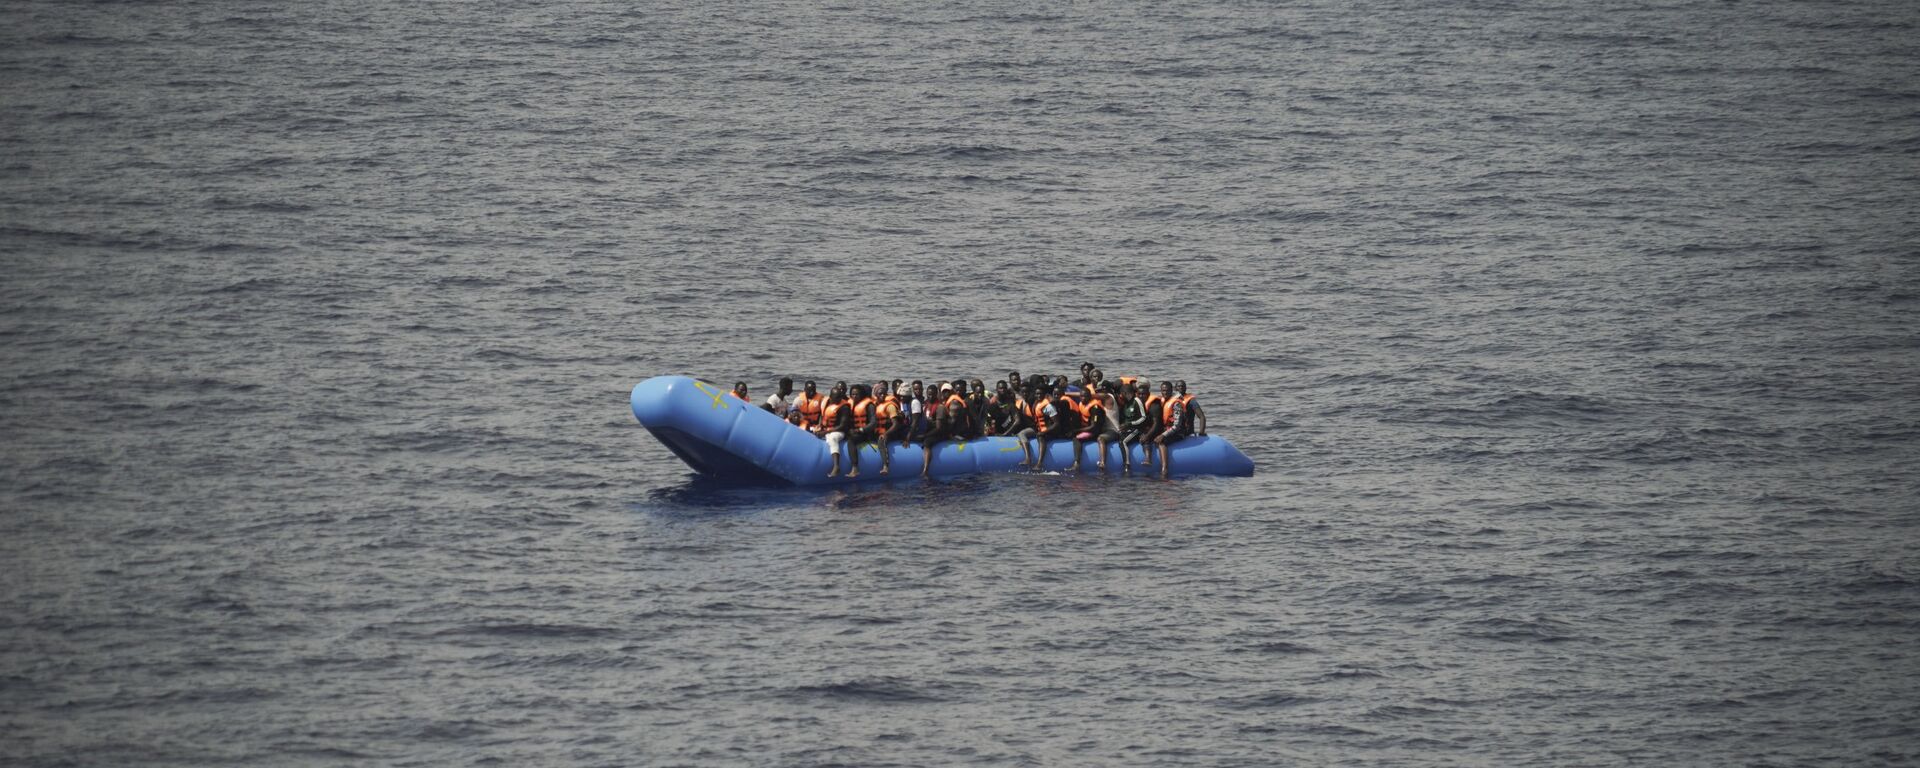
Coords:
1103,452
886,455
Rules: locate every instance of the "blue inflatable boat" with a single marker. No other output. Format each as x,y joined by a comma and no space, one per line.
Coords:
728,439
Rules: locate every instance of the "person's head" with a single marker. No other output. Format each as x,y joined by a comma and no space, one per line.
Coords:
880,388
1180,386
786,386
1166,389
977,387
1013,378
946,389
741,388
1086,367
960,387
1026,393
919,389
1141,389
1123,393
1002,389
1098,376
839,388
1060,382
793,416
809,388
897,387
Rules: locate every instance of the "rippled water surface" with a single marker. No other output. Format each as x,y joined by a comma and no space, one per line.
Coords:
1576,343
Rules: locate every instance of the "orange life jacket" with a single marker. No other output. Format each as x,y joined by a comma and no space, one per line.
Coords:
810,410
736,396
887,413
1176,409
1129,380
1153,411
1037,411
862,412
830,416
1085,409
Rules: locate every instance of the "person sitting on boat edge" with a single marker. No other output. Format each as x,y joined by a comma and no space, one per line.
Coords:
945,426
1195,416
809,404
890,425
954,393
836,420
1175,426
862,432
1086,410
1054,419
1106,429
1133,420
1154,407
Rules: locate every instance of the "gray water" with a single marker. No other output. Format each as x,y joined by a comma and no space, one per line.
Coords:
1576,344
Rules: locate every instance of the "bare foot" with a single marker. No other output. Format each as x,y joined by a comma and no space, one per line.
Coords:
854,473
835,472
883,469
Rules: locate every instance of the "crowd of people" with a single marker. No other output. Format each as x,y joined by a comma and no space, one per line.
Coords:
1035,409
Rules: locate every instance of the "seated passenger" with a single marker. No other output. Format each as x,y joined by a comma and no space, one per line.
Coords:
1174,425
1087,410
919,419
1028,404
1133,419
1154,406
863,427
782,401
1195,416
809,404
1106,427
978,418
1054,419
955,394
890,425
947,420
794,418
836,420
740,392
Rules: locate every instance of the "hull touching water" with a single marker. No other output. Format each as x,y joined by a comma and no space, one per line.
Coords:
728,439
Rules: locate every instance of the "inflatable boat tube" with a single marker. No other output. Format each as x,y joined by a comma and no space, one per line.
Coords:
729,439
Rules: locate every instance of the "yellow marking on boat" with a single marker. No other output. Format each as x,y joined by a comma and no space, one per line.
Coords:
718,396
1010,449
